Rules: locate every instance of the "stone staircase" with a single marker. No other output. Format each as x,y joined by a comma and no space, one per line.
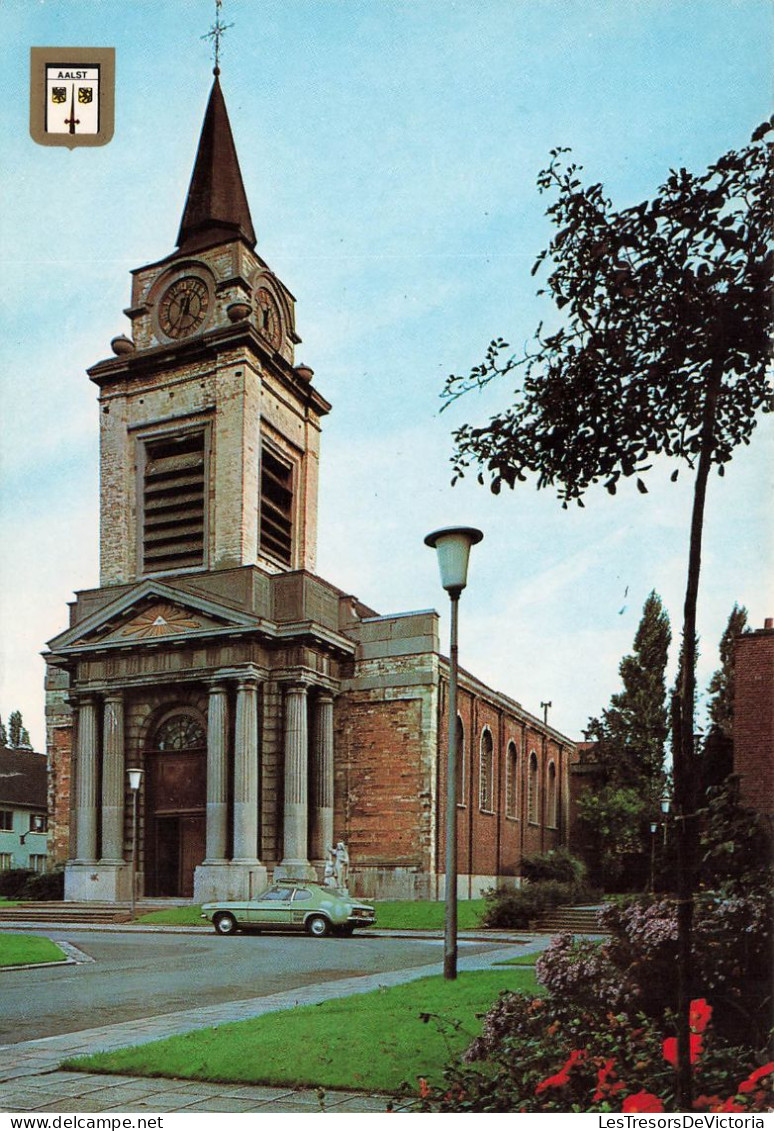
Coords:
575,920
71,912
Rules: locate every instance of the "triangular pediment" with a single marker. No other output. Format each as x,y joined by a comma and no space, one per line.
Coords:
151,612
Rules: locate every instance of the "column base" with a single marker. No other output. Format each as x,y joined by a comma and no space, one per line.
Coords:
295,870
229,879
98,881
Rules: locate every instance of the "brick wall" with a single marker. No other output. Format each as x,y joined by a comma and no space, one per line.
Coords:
754,719
494,836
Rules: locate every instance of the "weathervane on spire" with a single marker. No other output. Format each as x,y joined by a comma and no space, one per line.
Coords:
217,30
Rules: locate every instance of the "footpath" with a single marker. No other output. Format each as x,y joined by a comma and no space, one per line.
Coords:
31,1079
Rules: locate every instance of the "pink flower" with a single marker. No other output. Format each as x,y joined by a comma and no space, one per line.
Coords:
642,1101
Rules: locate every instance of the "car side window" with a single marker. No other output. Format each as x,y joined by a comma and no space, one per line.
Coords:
278,894
300,894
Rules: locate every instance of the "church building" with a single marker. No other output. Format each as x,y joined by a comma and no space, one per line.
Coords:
272,714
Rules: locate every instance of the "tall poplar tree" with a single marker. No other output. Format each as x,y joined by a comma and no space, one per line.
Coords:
630,739
17,733
717,755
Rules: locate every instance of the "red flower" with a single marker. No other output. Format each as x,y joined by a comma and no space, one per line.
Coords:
669,1048
605,1086
424,1090
706,1103
642,1101
562,1077
748,1085
699,1015
729,1105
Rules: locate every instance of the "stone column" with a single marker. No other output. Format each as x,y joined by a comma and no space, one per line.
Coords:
217,774
322,777
113,783
246,773
294,861
86,782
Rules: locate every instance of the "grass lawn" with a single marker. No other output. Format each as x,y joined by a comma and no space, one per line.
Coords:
19,950
176,917
412,915
520,960
374,1041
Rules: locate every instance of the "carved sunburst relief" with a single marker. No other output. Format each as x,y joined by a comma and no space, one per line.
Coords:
160,620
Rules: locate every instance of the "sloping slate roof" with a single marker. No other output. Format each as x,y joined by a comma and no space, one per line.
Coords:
23,778
216,208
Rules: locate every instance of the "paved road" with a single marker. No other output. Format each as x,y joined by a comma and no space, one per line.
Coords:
30,1082
150,974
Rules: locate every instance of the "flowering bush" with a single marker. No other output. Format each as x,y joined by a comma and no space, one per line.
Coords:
580,971
732,957
535,1055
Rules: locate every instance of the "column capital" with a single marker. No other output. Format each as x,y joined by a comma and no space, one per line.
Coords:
115,695
324,695
296,684
84,698
247,682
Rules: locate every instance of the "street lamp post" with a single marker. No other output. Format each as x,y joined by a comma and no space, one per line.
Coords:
453,548
653,828
135,777
665,815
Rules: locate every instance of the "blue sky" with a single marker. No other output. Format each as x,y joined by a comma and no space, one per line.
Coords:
389,151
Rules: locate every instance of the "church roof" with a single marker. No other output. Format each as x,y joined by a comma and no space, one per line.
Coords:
216,208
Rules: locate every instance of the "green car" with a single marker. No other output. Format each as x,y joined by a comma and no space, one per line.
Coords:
292,905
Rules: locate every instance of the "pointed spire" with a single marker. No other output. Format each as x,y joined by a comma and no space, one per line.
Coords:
216,208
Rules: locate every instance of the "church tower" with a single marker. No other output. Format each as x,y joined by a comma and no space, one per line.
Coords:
210,654
209,434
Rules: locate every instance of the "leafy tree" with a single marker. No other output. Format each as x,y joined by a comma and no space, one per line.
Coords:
721,686
612,818
631,735
717,755
3,734
17,732
630,740
661,349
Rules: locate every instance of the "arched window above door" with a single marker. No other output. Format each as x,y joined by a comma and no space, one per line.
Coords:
180,731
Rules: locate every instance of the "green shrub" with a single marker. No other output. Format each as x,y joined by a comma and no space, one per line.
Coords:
518,907
558,864
45,885
13,880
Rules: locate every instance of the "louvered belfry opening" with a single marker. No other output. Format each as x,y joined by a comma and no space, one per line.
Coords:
276,507
174,502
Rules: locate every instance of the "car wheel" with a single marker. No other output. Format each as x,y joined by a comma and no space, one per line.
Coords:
318,926
225,924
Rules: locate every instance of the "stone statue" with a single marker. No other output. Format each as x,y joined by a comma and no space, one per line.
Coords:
329,874
341,865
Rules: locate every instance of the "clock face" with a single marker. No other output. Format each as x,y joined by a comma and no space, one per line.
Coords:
269,324
183,307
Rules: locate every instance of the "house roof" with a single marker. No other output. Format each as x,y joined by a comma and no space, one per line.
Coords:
23,778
